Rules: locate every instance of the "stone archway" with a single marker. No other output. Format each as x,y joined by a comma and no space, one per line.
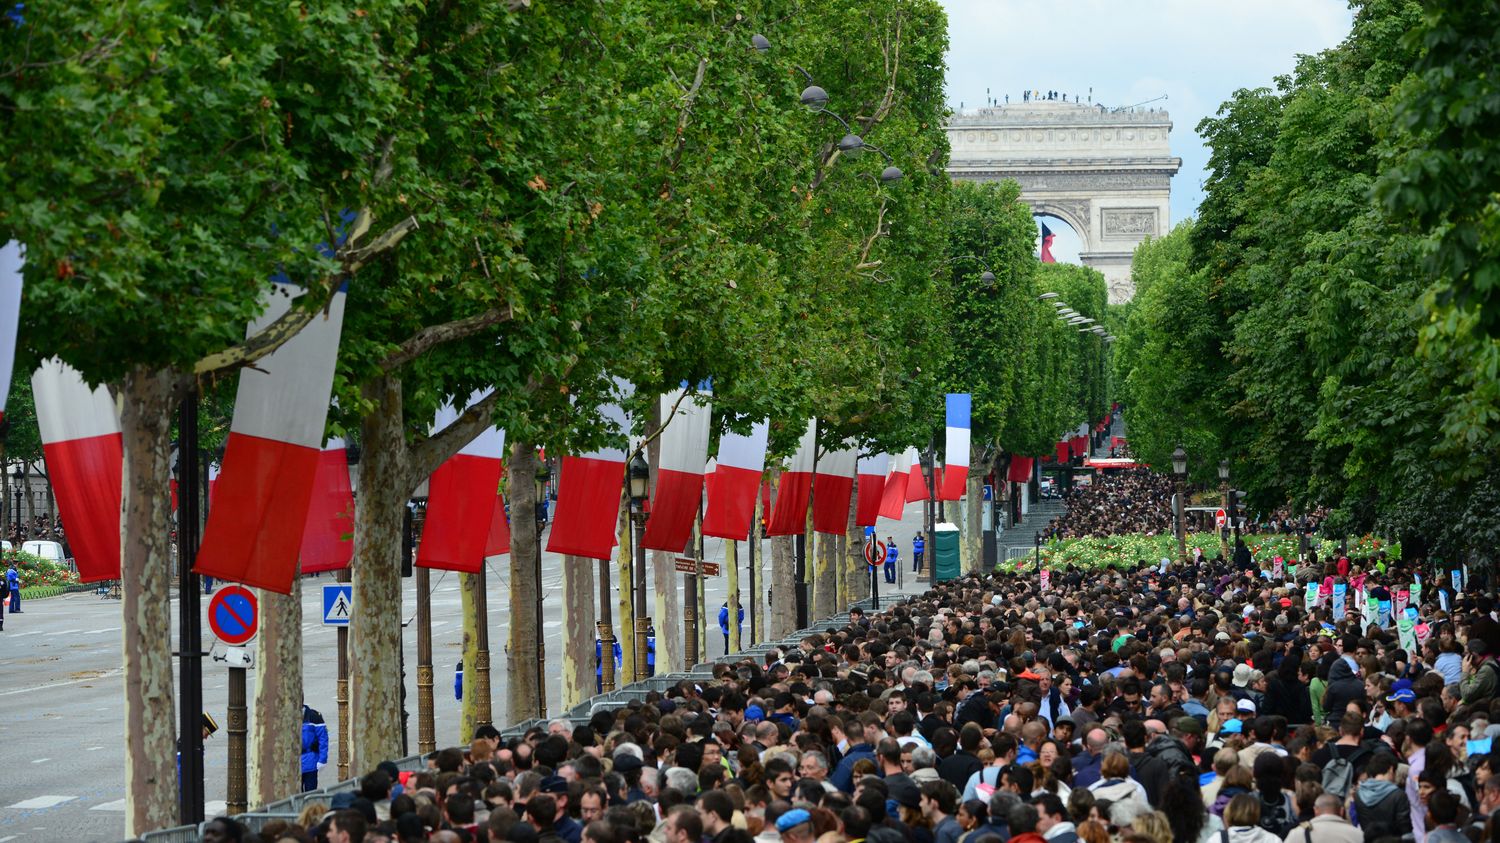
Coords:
1107,174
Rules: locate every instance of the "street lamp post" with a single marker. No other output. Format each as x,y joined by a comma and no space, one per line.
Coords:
640,487
1224,498
543,474
1179,473
1039,551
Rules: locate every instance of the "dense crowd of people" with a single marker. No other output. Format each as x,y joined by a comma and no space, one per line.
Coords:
1115,503
1193,705
38,528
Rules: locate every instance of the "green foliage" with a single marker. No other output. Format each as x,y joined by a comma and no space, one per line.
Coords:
1289,336
38,572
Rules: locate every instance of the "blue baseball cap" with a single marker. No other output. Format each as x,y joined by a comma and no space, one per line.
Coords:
755,713
1231,727
1405,695
791,819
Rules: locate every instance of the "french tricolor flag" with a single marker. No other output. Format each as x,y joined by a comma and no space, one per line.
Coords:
679,475
733,483
81,443
789,516
833,486
589,488
497,542
893,497
461,499
328,538
916,484
254,533
12,258
870,472
956,451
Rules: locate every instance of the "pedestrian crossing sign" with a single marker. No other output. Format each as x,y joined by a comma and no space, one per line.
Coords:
338,604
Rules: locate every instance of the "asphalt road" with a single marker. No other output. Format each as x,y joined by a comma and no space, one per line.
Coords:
60,689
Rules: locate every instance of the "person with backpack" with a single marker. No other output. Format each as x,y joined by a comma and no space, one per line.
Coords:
1242,822
1278,810
1342,760
1380,805
1327,825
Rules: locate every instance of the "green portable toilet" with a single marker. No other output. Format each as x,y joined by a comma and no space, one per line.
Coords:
945,561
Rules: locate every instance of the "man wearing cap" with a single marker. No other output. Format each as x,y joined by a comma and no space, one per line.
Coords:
1404,699
569,829
795,826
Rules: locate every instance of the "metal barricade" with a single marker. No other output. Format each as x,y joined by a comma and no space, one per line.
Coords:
179,834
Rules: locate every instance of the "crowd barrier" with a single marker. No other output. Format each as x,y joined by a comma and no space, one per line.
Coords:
291,807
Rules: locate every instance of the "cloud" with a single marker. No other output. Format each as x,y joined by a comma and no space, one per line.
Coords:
1196,52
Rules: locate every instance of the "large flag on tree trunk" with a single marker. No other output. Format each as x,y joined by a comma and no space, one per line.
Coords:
679,474
733,483
833,486
328,538
870,471
789,517
589,488
85,461
956,450
461,499
254,533
12,258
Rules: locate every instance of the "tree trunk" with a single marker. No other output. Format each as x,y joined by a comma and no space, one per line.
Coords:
375,625
624,608
147,402
856,573
579,630
979,466
521,653
783,612
276,729
827,588
468,717
732,571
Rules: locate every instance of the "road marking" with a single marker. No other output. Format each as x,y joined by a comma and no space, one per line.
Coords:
94,749
40,760
117,805
107,674
39,802
213,809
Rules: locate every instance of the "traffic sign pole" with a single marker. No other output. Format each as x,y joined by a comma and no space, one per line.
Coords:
189,619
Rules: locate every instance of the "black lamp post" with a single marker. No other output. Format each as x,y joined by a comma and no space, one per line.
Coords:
1179,473
640,489
1224,496
18,474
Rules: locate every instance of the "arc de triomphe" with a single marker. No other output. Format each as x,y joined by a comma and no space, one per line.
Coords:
1106,173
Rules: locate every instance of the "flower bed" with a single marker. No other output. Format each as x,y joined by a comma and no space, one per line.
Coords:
1128,552
37,572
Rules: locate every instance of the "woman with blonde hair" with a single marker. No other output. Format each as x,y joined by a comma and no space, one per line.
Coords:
1242,817
1153,825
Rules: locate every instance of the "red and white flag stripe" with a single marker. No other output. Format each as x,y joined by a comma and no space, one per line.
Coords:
12,258
833,486
461,498
789,516
271,457
916,484
81,443
589,488
679,475
893,496
733,483
870,472
328,538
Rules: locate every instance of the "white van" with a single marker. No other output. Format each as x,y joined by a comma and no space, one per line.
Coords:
52,551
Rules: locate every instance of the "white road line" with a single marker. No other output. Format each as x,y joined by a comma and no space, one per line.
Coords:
40,760
11,837
39,802
94,749
105,675
117,805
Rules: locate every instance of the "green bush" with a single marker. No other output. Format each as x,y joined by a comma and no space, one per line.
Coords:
39,592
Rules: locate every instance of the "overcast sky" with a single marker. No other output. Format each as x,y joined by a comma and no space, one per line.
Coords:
1196,52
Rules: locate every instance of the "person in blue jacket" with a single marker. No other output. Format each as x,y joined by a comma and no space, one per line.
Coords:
599,664
918,548
314,746
13,579
724,622
892,553
650,651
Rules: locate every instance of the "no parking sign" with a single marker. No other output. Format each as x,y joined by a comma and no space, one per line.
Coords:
234,615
